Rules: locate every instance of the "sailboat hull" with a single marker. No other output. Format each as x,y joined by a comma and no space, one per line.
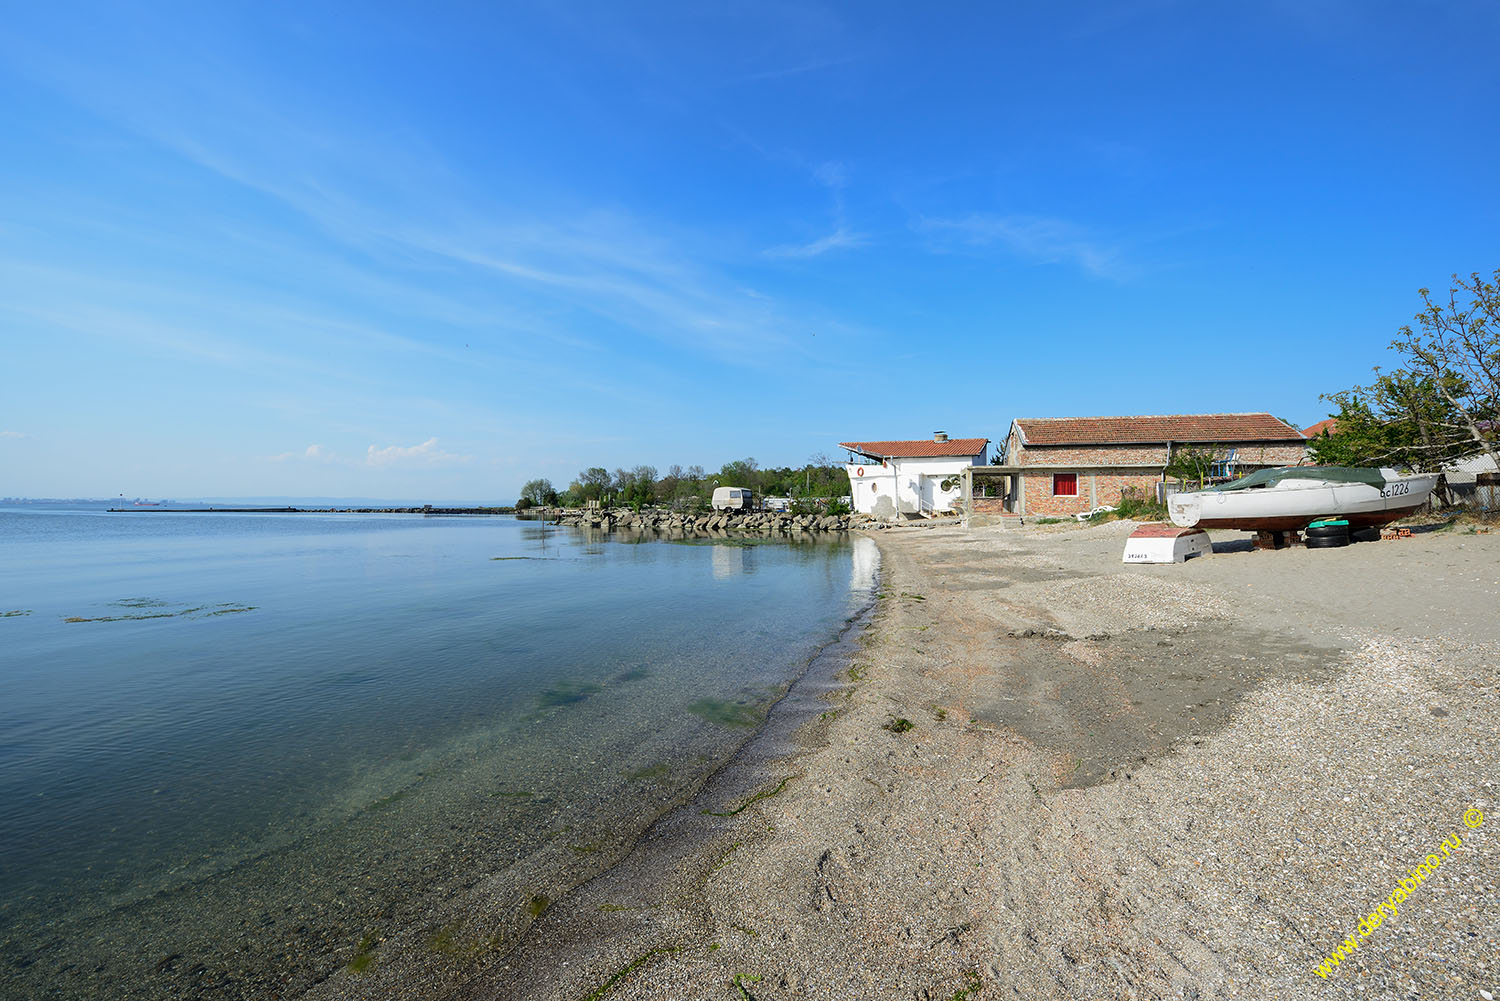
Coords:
1292,504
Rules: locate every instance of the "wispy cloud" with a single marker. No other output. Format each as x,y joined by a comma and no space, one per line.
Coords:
425,454
13,434
394,200
312,453
839,239
834,176
1035,238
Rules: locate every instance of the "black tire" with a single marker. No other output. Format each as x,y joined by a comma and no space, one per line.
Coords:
1327,542
1365,535
1326,531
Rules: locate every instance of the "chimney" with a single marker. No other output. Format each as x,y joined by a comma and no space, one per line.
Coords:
940,436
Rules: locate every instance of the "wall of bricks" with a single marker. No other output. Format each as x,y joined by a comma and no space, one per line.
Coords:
987,505
1094,489
1253,454
1105,488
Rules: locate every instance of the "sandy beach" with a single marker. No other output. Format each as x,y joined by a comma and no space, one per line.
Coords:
1040,773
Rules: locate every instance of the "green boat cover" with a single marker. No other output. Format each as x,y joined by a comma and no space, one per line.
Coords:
1333,474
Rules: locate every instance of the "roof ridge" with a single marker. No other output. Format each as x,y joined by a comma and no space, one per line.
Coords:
1136,417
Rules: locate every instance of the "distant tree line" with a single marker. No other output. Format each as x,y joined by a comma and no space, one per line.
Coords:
819,480
1441,401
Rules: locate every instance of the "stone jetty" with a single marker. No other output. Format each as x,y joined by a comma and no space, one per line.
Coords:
694,523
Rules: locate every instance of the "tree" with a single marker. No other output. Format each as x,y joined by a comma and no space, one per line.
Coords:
1190,462
593,482
641,491
740,473
538,492
1456,345
1401,419
1441,403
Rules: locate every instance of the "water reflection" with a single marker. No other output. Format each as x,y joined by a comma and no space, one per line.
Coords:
865,564
728,561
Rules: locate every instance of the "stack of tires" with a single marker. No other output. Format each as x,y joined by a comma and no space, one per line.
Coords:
1326,534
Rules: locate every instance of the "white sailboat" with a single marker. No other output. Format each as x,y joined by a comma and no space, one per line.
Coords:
1290,498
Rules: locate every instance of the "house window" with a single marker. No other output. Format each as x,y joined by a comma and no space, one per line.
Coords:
1064,484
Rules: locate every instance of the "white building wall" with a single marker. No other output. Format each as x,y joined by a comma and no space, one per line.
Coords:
868,484
907,486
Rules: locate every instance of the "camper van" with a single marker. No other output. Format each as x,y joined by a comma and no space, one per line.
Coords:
732,499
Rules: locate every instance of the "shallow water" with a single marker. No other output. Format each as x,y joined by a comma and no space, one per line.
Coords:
222,732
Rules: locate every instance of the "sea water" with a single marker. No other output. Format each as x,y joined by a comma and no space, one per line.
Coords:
286,736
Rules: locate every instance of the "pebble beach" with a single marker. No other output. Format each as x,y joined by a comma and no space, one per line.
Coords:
1039,773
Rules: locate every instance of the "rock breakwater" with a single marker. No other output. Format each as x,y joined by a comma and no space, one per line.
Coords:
766,523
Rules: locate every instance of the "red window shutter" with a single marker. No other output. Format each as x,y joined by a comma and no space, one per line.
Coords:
1065,484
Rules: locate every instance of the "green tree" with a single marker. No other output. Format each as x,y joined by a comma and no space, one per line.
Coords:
741,473
538,492
1441,402
1401,419
641,489
1190,463
1456,347
593,483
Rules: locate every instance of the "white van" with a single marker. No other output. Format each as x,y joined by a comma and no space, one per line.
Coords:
732,499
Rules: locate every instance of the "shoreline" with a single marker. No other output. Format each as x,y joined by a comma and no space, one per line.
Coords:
1049,774
431,868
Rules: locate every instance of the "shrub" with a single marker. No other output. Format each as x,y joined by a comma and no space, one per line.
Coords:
1133,505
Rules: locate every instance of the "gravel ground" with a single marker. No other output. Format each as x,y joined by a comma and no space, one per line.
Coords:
1047,775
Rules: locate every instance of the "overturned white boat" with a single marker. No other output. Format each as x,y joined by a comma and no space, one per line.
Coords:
1289,498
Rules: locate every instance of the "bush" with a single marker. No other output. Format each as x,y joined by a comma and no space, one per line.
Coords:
1133,505
838,507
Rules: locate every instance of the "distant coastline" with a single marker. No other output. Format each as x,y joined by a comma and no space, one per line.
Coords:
423,509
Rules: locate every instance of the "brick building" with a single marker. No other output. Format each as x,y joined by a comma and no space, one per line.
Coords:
1057,466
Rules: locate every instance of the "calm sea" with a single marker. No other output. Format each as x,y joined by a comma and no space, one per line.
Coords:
285,736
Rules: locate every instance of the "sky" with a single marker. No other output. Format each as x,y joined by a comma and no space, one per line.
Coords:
432,251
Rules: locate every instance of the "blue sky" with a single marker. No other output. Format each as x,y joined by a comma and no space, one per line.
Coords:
432,251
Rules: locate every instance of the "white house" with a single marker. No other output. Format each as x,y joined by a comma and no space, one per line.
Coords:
915,478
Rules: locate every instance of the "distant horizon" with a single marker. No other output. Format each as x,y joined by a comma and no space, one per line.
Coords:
271,501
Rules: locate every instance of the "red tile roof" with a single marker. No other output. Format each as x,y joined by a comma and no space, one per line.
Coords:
927,449
1331,425
1150,430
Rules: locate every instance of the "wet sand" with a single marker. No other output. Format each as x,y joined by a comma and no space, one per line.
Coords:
1045,774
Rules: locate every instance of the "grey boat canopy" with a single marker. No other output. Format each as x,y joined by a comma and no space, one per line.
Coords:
1333,474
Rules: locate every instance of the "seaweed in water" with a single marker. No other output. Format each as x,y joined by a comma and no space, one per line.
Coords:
656,771
567,693
726,713
385,801
364,954
449,940
15,612
198,611
634,674
140,603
